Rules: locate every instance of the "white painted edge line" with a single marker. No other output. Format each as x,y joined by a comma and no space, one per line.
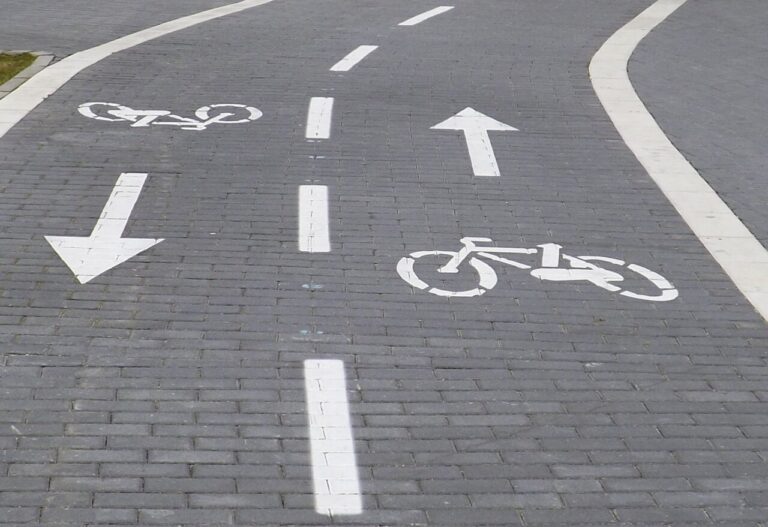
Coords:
17,104
426,15
332,448
733,246
314,236
353,58
319,118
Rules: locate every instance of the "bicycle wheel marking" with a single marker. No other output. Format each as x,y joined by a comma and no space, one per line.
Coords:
486,274
332,448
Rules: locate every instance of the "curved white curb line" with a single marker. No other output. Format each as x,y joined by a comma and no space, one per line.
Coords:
733,246
16,105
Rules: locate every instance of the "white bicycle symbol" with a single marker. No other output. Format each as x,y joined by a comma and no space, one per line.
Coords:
205,116
577,269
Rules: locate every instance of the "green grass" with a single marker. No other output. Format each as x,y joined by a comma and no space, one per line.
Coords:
10,65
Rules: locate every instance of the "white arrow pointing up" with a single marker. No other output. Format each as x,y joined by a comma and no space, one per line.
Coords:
88,257
476,126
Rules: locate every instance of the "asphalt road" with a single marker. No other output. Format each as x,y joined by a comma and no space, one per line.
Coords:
170,390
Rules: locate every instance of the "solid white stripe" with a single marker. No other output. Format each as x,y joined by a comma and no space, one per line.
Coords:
729,241
314,236
17,104
351,60
332,448
424,16
319,118
114,217
481,153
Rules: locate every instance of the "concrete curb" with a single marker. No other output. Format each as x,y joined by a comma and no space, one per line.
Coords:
44,58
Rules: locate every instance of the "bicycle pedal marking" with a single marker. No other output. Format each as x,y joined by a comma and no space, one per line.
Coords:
554,267
205,116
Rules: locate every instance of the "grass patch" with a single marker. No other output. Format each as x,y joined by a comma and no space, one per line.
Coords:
11,64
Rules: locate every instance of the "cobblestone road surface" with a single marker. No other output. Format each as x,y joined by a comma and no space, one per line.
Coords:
170,389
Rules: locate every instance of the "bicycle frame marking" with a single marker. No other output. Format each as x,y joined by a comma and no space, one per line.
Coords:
145,118
576,269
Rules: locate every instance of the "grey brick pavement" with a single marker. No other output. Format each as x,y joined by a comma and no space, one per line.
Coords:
708,97
66,26
169,391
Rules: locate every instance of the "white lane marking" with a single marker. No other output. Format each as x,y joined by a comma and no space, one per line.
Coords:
319,118
426,15
353,58
733,246
314,236
17,104
476,126
105,248
332,447
228,113
573,269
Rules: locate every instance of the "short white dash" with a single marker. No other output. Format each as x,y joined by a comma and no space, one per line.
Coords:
319,118
332,449
354,57
314,234
427,15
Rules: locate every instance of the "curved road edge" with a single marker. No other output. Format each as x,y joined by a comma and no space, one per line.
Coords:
723,234
16,105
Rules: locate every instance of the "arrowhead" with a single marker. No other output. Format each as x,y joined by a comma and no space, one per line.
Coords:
470,118
89,257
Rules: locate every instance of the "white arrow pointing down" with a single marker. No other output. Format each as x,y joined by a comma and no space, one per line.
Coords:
88,257
476,126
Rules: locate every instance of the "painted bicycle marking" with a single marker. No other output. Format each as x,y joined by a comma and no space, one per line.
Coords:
554,266
204,116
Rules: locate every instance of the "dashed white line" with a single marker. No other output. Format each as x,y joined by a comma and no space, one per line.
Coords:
319,118
729,241
332,449
17,104
426,15
314,236
353,58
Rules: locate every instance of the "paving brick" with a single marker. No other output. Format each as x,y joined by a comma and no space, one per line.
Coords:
190,456
185,517
95,484
85,516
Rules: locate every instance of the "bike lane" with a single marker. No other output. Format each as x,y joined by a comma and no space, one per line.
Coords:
536,403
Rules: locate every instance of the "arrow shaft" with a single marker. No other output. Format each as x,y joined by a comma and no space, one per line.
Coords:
114,217
481,152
